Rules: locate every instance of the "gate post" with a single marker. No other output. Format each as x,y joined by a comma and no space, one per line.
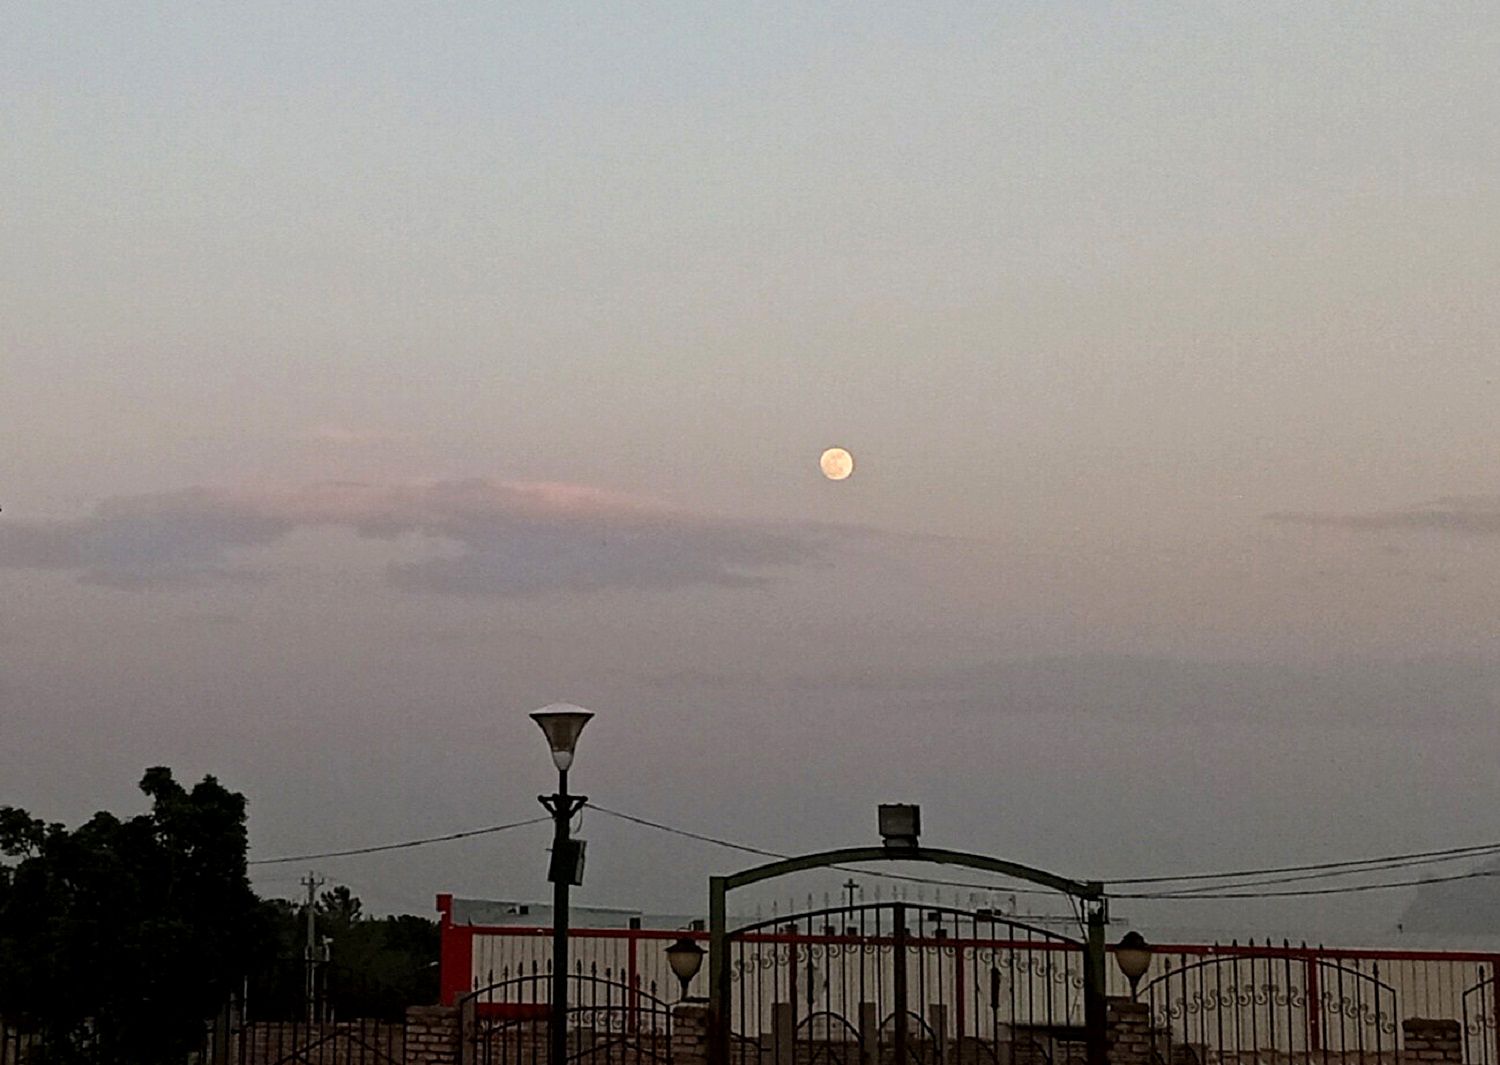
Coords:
869,1034
435,1035
1130,1033
690,1034
1095,1008
898,984
718,973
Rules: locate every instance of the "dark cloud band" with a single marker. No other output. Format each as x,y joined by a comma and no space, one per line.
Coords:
1466,515
511,539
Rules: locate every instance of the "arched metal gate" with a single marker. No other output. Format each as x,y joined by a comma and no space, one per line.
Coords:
890,984
907,983
1244,1003
610,1021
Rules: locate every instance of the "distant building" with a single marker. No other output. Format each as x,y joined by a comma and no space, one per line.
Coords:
492,913
490,941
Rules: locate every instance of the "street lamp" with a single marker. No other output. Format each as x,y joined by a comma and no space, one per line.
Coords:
562,723
685,957
1133,956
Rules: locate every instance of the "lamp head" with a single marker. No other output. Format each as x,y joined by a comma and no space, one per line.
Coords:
562,723
1133,956
685,957
900,824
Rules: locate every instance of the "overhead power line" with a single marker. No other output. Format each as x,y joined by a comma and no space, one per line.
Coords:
1346,889
762,852
1187,893
1316,870
1474,851
730,844
490,830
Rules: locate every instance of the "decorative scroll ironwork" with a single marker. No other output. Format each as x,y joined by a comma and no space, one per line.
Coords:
1045,968
1242,1003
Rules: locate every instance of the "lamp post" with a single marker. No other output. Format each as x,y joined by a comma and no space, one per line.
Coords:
1133,956
685,957
562,723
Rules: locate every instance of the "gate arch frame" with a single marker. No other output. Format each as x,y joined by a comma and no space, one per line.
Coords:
1088,892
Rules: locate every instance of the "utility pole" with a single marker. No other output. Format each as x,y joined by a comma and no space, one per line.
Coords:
310,953
850,887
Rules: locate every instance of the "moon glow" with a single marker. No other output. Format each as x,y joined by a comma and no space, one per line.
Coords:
837,464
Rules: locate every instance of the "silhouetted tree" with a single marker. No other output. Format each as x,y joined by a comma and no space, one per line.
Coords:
338,910
128,933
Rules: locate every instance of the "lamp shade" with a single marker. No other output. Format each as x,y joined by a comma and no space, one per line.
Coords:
685,957
562,723
1133,956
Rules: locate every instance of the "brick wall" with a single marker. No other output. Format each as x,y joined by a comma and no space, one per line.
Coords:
433,1038
1437,1041
1129,1032
690,1023
432,1035
265,1042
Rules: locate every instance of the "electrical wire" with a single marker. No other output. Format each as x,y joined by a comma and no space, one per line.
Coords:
1323,870
1476,850
400,846
1188,892
1304,872
729,844
762,852
1346,889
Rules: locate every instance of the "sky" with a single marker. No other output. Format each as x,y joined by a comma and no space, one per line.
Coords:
373,374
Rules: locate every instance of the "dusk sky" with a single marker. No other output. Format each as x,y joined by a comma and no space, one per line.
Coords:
373,374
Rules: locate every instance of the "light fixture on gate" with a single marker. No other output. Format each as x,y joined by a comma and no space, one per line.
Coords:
562,722
900,825
685,957
1133,956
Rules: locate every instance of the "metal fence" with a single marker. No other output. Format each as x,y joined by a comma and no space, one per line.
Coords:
1216,1004
609,1021
1316,1003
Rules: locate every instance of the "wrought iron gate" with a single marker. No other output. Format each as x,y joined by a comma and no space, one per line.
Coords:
1240,1005
611,1020
1481,1019
903,983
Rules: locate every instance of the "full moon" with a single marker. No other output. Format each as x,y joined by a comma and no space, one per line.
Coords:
837,464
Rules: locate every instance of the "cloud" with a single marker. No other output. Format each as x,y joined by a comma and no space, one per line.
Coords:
1474,515
1460,907
335,435
513,539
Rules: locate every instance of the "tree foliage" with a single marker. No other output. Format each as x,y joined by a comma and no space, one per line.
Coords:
127,933
373,967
